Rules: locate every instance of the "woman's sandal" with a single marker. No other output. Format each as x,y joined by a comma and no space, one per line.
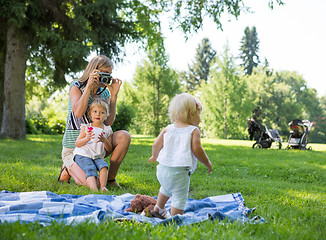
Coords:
64,175
113,183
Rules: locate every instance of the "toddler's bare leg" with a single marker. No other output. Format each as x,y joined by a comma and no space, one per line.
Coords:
161,201
92,183
175,211
103,177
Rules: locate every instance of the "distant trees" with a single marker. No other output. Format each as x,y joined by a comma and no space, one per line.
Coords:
283,96
249,50
225,100
60,34
200,67
229,97
154,86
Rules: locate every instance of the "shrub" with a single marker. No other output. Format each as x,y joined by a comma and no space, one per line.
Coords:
38,124
124,117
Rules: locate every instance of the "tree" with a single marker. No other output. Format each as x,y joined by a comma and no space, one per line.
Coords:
62,33
155,85
283,96
199,70
189,15
225,100
249,50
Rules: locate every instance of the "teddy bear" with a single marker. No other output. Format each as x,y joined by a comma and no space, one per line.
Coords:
142,204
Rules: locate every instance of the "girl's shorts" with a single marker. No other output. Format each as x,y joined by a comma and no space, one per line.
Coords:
175,183
90,166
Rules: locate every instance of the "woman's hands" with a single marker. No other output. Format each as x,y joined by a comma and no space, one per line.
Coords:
114,87
93,81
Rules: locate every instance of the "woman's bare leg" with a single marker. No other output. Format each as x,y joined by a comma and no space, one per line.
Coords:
73,169
120,142
78,174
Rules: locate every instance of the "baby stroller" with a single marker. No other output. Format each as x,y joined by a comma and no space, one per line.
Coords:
264,137
299,134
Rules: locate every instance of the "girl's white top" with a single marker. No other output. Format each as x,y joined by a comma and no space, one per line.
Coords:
176,151
91,149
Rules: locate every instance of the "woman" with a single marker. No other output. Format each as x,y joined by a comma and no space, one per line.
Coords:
81,94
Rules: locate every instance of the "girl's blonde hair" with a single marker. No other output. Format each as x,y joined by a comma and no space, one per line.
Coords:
101,102
183,107
99,61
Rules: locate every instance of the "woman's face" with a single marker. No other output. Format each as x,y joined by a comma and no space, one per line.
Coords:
106,70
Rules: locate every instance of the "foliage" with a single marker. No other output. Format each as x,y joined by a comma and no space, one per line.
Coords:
225,100
282,97
155,85
47,115
55,37
66,31
124,117
249,50
189,15
199,70
286,187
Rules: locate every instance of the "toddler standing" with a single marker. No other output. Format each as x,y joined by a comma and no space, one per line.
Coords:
177,149
90,152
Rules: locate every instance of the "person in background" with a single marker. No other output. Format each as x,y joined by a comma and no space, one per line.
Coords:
81,94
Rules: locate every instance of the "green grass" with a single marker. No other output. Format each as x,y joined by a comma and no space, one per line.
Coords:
287,187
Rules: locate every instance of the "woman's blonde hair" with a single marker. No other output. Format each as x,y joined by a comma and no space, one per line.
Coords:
183,107
101,102
99,61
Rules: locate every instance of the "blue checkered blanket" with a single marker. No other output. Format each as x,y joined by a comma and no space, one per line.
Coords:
45,207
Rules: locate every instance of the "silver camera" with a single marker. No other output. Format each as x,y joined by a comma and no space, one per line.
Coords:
105,77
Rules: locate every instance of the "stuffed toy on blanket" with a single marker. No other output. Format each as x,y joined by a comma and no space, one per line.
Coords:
142,204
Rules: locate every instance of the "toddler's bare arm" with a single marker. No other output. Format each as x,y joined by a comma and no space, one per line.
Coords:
198,150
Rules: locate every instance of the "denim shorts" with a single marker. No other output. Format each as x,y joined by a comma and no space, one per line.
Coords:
90,166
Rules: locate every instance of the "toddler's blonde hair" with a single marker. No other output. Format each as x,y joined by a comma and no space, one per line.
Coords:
183,107
102,103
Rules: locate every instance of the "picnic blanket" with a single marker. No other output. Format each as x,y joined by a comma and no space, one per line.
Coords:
45,207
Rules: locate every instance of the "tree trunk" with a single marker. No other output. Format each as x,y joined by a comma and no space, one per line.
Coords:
2,93
13,119
225,119
3,41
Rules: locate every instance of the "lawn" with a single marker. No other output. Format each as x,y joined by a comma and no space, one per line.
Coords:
287,188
